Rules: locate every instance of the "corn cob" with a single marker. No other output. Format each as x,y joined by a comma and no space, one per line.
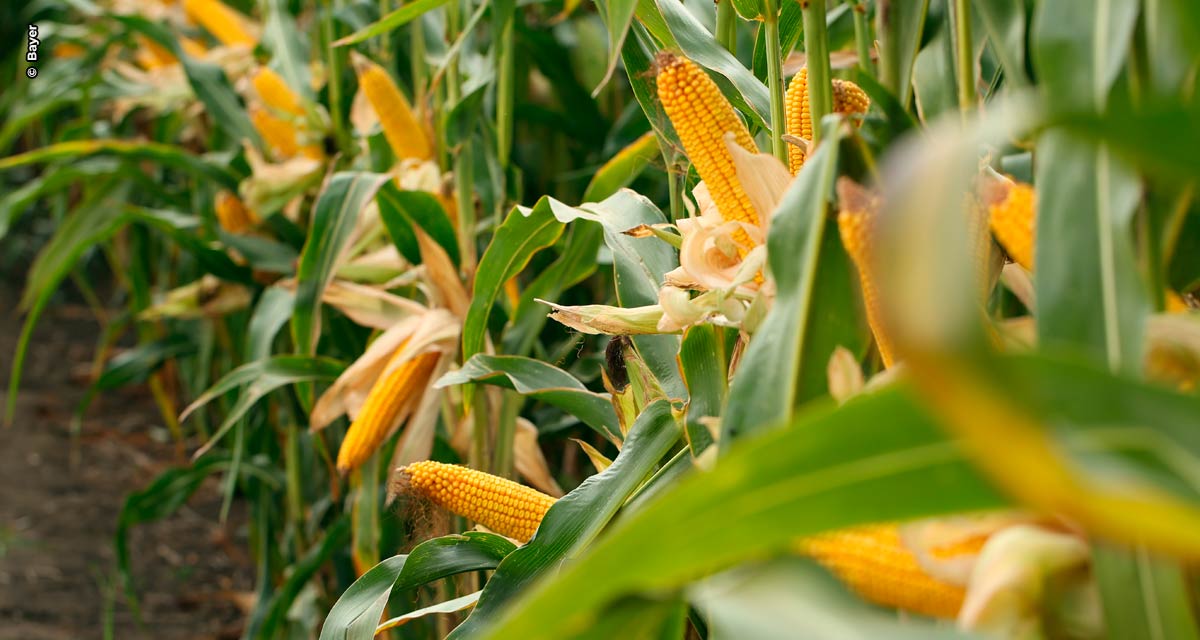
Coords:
1174,303
232,215
873,561
278,133
275,92
192,47
387,398
151,55
702,117
856,219
226,25
506,507
1012,215
848,98
400,125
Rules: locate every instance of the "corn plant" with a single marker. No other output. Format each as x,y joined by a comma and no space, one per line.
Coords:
833,319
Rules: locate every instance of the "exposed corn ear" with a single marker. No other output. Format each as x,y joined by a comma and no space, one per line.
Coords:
858,209
1012,217
275,92
400,125
848,98
387,399
506,507
702,118
232,215
152,55
279,134
1174,303
874,562
225,24
192,47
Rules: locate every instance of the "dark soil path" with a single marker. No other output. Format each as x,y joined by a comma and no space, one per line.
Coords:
59,501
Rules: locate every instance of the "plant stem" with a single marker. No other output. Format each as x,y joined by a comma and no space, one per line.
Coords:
505,77
333,63
775,76
862,37
506,430
727,25
816,50
964,58
295,483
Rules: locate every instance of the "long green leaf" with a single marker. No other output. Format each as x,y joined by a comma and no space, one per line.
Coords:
167,155
334,214
392,21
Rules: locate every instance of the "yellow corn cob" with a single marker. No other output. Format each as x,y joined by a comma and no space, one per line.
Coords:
64,50
192,47
275,92
873,561
400,125
702,117
848,98
1012,215
1174,302
506,507
278,133
232,215
151,55
856,218
226,25
387,398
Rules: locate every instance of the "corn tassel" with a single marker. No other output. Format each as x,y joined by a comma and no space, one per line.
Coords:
856,219
1012,216
232,215
506,507
400,125
225,24
275,92
387,399
702,117
848,98
874,562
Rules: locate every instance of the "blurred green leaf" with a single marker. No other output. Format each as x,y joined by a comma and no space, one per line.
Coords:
1004,21
875,459
1078,51
899,26
167,155
392,21
136,364
1088,289
617,15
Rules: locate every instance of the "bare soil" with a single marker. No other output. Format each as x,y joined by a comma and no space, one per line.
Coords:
60,497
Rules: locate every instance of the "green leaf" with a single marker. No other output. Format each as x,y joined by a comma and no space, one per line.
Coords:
94,221
1144,596
334,215
523,233
288,46
699,45
258,379
266,621
617,16
622,168
899,26
543,382
136,364
55,180
1079,51
1089,293
704,364
356,613
575,520
767,385
392,21
651,618
164,154
1004,22
402,211
183,229
875,459
273,310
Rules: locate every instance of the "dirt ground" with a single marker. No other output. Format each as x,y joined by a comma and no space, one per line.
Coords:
59,501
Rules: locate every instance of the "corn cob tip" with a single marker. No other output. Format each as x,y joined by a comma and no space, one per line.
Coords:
509,508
